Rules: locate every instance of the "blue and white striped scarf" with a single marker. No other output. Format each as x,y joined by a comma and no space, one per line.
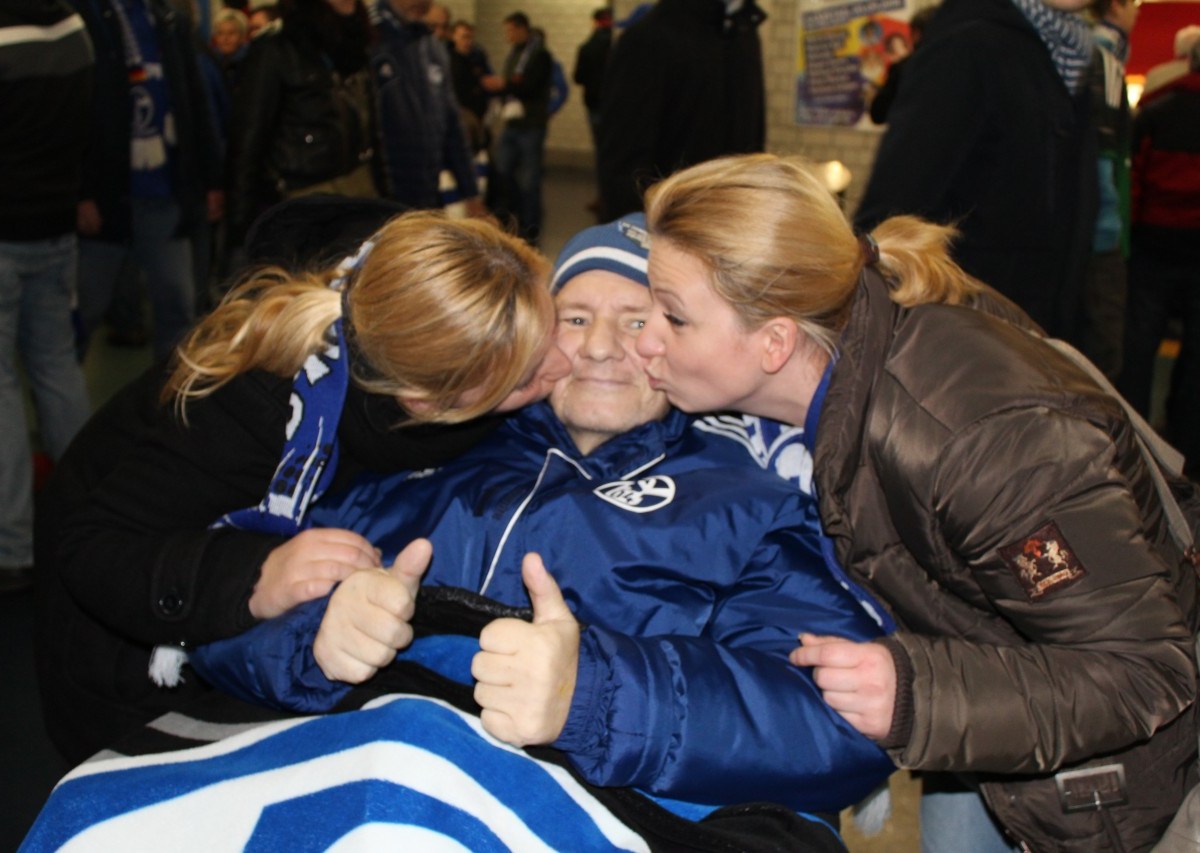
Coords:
310,453
1067,37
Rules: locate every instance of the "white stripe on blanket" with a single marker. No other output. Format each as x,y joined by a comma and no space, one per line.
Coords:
406,772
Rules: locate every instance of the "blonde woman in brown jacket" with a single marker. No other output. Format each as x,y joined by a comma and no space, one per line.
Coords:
969,474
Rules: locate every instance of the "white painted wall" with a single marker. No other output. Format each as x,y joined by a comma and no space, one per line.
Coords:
567,24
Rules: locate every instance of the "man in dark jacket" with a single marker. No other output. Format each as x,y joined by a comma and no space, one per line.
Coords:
1165,251
678,599
420,124
684,84
1103,323
520,150
45,93
152,163
590,62
991,132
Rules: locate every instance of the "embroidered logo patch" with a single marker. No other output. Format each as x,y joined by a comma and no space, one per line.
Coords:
645,495
1043,562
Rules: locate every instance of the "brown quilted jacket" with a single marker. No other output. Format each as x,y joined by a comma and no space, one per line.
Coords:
981,485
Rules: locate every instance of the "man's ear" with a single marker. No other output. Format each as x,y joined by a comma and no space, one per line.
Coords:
779,337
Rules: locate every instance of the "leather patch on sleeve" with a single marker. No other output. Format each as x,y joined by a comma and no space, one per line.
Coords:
1043,562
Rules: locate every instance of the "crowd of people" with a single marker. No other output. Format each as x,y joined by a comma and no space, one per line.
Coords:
734,470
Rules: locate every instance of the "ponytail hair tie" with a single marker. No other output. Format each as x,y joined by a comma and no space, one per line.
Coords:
348,268
351,264
869,249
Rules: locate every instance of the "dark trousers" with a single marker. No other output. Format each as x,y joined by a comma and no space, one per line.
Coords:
1162,286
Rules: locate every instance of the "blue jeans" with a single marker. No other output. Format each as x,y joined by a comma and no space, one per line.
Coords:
165,259
518,167
954,818
37,278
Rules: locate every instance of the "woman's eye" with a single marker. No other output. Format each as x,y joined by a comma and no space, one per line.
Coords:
673,320
574,321
637,325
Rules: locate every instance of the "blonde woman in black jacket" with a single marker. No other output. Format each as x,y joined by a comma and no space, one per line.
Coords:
172,518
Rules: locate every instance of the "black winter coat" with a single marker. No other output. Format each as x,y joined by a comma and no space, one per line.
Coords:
590,62
196,156
984,134
124,554
683,84
293,124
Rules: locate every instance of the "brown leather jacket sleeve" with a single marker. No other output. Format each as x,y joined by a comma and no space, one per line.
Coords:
1100,657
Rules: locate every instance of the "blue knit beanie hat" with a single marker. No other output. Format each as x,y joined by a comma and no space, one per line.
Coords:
620,247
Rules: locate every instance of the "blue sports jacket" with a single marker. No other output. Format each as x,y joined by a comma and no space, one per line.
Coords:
691,569
421,130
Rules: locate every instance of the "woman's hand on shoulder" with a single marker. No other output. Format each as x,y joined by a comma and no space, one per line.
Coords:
306,567
858,680
369,615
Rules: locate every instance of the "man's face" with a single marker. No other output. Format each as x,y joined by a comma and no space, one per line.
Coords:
464,38
226,38
607,392
514,34
437,18
411,10
1124,15
256,21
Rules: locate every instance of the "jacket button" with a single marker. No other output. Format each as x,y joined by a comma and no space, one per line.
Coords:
170,604
308,137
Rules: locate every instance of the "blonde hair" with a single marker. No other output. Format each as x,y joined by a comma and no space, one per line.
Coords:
438,308
777,244
235,17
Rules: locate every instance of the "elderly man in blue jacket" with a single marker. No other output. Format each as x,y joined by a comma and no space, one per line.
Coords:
668,572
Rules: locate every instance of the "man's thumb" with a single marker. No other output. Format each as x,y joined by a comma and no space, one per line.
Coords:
412,562
547,598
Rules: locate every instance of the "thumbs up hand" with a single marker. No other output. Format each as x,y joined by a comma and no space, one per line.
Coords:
368,617
525,672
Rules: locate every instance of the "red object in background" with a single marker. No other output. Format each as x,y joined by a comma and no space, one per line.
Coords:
43,465
1153,40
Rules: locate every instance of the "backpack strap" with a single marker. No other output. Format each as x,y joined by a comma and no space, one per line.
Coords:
1159,455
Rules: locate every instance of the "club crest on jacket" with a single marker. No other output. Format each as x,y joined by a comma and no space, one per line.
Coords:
1043,562
644,495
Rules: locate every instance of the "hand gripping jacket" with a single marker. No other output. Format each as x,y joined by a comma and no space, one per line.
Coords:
692,571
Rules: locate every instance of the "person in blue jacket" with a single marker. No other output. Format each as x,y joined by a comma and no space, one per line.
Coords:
669,575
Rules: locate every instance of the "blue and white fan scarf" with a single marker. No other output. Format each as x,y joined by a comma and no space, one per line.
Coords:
310,453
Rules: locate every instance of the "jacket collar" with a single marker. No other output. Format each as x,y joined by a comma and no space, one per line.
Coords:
539,427
862,349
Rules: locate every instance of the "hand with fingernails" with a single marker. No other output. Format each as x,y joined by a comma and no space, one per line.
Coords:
306,567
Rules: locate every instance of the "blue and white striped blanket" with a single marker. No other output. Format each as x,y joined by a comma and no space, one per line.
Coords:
406,765
405,773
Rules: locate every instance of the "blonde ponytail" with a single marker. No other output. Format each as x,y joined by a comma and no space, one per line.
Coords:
777,244
439,310
272,321
915,257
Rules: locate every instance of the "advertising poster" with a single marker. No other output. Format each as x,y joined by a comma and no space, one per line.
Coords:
843,51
